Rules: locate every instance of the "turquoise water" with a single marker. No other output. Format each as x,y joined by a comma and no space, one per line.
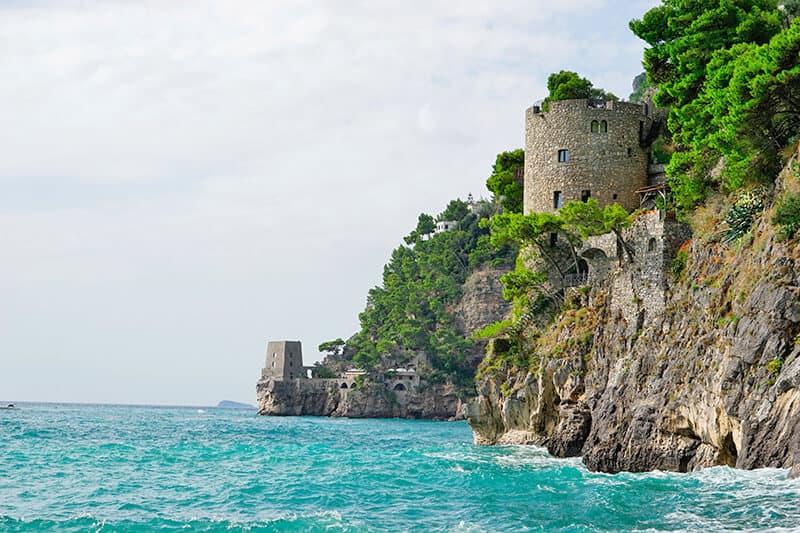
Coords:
105,468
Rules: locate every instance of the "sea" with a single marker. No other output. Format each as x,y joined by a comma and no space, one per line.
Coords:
129,469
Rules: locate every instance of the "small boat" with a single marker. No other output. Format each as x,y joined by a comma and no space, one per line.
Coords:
9,406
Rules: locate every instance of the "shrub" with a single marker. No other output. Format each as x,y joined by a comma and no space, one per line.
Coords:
787,215
742,214
678,264
774,366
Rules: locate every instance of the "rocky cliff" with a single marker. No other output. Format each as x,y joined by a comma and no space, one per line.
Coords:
713,379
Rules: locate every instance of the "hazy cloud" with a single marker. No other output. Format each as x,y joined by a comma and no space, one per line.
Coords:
181,181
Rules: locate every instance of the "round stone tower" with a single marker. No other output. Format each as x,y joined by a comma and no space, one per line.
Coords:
585,148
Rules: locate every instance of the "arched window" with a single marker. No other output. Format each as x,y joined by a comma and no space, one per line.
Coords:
400,387
343,386
603,127
353,385
651,245
595,126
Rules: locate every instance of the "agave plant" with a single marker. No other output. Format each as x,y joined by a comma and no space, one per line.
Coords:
743,213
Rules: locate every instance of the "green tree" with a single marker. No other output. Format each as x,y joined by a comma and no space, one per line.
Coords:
456,210
503,183
412,308
568,85
425,226
692,46
334,347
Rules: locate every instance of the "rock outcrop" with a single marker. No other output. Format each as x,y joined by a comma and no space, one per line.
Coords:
371,400
713,379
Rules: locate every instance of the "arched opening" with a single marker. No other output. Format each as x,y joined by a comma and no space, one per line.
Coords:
595,126
343,386
399,387
603,127
594,253
583,267
651,245
353,385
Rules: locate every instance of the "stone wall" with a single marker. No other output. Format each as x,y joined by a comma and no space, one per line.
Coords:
638,287
610,165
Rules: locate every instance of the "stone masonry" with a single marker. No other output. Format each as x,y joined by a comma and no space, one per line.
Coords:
582,148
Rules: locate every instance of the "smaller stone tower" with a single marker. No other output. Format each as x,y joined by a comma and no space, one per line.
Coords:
284,361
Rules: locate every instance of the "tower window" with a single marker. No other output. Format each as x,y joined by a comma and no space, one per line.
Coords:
614,196
558,199
563,156
585,195
630,152
651,245
595,127
603,127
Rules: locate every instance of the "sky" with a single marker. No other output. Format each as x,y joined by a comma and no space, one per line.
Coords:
182,181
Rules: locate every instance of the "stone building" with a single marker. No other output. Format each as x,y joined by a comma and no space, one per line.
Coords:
586,148
581,149
284,361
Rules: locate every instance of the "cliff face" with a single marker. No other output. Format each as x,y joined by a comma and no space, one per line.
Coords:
713,379
372,400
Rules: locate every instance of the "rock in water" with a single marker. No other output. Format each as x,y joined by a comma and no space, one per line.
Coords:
794,473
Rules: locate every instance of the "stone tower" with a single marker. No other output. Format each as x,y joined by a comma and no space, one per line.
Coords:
586,148
284,361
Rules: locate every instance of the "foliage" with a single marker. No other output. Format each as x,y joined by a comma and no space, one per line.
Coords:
412,309
503,183
586,219
791,8
678,264
568,85
728,74
774,366
456,210
425,226
787,215
742,214
495,329
321,371
640,87
334,347
574,223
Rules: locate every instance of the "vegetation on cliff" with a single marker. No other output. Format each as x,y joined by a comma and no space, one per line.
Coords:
728,72
412,311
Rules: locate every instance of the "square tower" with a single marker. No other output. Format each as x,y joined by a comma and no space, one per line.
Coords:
284,361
